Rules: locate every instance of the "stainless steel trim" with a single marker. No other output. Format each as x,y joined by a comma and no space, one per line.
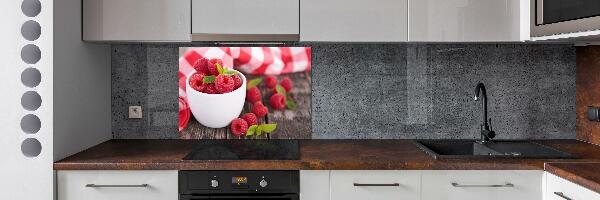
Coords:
245,37
376,184
539,12
492,185
560,194
115,186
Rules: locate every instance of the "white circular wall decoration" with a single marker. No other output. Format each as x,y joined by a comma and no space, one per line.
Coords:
31,77
31,30
31,54
31,124
31,147
31,8
31,100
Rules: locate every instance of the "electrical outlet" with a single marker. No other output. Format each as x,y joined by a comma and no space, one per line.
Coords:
135,112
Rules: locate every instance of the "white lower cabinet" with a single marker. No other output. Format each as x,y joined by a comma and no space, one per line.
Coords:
117,185
482,185
375,185
314,184
560,189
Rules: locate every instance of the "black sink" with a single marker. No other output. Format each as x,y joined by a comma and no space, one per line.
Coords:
468,149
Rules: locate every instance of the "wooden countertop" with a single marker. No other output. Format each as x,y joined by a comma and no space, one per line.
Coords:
584,174
314,155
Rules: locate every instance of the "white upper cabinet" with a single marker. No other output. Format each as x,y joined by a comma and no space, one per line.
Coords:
468,20
354,20
136,20
245,20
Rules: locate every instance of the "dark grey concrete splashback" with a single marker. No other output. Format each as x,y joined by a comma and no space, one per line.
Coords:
364,91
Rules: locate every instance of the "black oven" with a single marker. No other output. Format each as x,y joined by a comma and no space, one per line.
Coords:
236,185
551,17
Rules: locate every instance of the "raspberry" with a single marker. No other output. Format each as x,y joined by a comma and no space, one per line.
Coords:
250,119
212,67
239,127
210,89
237,82
253,95
201,65
259,109
270,81
277,101
224,83
196,82
286,83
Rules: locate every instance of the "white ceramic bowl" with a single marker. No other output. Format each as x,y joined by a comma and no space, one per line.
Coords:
216,110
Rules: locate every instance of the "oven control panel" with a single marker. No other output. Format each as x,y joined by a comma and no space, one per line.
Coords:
234,182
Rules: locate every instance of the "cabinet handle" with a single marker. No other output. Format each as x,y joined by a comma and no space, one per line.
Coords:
376,184
493,185
562,195
115,186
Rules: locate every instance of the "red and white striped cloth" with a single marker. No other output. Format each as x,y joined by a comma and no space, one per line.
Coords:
248,60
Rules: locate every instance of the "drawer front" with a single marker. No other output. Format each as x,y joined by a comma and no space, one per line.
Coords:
117,185
482,185
375,185
560,189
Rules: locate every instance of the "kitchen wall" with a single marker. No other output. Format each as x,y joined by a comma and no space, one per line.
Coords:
383,90
588,87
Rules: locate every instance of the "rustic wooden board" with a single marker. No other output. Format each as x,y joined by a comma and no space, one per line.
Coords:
195,130
295,124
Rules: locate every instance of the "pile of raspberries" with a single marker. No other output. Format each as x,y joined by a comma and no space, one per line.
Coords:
239,126
216,83
277,100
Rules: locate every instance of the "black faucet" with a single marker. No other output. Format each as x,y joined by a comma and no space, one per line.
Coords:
487,134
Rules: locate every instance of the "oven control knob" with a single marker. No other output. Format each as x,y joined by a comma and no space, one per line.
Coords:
263,183
214,183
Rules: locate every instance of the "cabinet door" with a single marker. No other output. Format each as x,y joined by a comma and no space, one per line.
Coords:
468,21
314,185
560,189
354,20
375,185
136,20
117,185
245,20
482,185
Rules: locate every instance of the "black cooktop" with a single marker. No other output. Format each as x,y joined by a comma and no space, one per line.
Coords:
245,150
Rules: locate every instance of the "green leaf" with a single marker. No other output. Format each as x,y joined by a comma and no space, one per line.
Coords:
220,68
280,90
290,103
229,72
267,128
251,130
209,79
254,82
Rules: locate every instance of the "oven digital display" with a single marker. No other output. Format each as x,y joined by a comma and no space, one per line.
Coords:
239,180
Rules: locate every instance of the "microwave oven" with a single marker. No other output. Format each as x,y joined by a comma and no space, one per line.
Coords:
554,17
